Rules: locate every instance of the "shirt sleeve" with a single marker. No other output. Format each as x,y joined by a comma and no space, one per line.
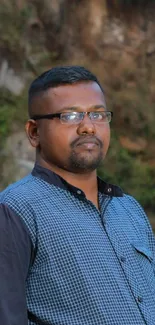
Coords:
15,257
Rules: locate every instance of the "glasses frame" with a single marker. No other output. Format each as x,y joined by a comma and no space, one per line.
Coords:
58,115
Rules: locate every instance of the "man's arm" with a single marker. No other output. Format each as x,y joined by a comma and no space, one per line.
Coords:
15,256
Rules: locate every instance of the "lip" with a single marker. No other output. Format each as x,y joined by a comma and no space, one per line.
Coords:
88,145
88,142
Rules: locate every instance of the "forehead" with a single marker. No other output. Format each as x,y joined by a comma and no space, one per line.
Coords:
82,95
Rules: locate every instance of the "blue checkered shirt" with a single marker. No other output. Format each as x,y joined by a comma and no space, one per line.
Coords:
89,266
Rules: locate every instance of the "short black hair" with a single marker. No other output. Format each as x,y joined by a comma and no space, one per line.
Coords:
58,76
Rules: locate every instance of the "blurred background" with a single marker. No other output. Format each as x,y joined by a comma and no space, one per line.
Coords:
115,39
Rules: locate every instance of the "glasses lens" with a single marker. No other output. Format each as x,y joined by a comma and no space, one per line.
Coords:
71,117
104,117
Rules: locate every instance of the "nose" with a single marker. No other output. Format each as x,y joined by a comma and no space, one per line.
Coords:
86,127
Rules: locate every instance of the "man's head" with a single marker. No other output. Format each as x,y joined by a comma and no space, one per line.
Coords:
74,141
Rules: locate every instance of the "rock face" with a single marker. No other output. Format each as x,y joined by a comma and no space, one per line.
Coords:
10,80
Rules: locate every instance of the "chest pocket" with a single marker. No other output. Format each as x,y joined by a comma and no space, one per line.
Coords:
145,260
143,250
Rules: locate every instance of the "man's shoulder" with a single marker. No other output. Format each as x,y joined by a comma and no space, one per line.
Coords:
128,202
17,201
15,191
129,208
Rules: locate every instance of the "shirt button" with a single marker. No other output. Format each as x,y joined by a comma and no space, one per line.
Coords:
109,190
78,192
123,259
140,299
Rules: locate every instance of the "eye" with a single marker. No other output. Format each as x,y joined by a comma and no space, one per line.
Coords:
70,116
104,117
98,116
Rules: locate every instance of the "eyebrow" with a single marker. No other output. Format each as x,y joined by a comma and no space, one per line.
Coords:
77,108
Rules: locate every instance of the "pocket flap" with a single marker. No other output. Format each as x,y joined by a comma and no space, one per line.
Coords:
143,249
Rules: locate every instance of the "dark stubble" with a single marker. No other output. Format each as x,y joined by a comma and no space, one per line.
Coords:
81,162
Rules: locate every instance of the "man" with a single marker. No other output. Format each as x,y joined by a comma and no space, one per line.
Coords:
74,250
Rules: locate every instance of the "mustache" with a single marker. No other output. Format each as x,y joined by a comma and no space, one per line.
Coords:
86,139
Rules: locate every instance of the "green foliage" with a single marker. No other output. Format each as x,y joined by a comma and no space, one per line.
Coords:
131,102
132,175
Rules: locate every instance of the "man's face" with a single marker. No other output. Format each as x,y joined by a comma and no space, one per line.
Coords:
77,148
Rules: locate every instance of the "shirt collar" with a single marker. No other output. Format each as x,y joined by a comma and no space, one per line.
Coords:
56,180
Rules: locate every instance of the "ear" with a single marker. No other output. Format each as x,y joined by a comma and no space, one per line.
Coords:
32,132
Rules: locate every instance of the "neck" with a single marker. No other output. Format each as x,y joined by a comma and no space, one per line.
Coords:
86,182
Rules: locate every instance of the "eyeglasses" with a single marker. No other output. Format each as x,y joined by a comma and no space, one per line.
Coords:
77,117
